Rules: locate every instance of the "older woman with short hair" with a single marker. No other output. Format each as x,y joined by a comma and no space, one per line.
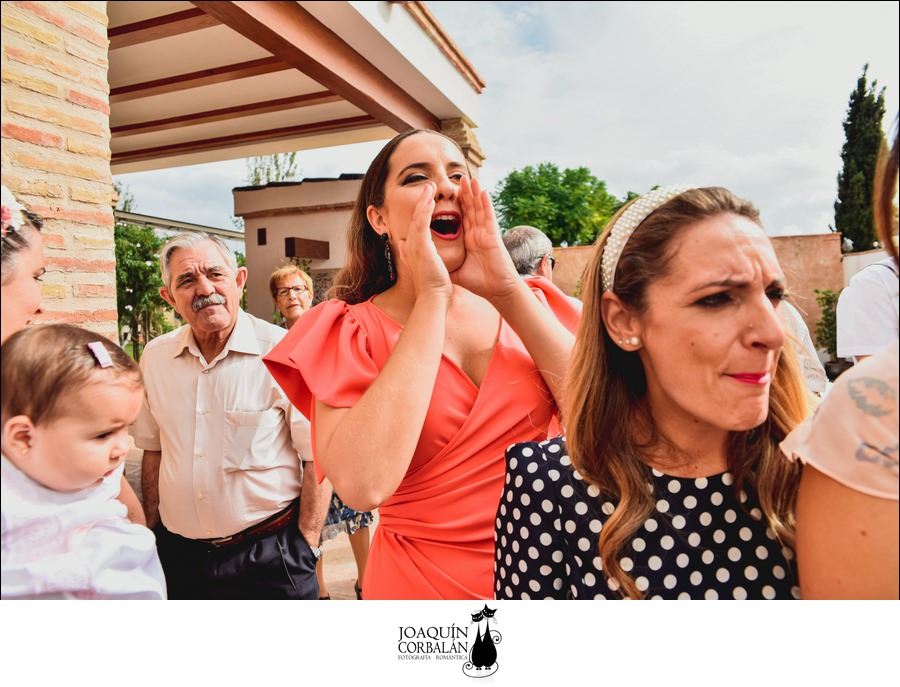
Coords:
292,292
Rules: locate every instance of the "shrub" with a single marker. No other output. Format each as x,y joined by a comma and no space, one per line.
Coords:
826,327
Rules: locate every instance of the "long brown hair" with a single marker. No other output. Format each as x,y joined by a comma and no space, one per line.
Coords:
885,188
606,386
366,271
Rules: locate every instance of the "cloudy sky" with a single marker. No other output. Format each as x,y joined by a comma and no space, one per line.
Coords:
747,95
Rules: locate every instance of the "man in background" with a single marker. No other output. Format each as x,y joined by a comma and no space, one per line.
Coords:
532,254
531,251
868,311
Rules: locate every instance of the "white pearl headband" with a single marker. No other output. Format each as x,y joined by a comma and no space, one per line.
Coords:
626,224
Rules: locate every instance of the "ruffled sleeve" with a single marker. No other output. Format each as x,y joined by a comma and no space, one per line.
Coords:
327,356
566,308
852,438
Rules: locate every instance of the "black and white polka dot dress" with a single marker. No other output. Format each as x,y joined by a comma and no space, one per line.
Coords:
703,541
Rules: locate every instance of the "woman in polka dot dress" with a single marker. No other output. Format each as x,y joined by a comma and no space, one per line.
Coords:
669,483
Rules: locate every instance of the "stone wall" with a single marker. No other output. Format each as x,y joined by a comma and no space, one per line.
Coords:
55,150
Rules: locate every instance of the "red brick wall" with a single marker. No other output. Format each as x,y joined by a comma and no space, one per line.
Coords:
55,150
809,262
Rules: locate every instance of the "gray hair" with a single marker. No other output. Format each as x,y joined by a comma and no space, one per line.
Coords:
526,246
190,239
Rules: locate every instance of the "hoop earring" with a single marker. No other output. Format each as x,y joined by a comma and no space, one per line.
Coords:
388,256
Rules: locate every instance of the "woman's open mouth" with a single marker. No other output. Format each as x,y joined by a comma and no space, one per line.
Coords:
446,225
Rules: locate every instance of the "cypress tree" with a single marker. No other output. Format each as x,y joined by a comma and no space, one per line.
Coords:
864,137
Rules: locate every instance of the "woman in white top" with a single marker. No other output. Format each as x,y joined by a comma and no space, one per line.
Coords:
848,522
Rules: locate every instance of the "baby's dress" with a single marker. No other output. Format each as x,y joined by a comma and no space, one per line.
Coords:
77,545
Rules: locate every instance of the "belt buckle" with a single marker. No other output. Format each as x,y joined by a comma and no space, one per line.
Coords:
220,541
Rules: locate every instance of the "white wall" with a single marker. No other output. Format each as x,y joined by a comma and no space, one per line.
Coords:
312,209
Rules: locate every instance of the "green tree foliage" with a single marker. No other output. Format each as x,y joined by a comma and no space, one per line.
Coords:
140,306
268,169
126,197
864,138
242,262
570,206
826,327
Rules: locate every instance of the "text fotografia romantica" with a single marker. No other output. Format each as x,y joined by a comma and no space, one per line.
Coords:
433,643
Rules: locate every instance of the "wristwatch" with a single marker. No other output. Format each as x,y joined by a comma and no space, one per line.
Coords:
317,551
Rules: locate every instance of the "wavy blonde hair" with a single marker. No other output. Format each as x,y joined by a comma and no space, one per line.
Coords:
605,390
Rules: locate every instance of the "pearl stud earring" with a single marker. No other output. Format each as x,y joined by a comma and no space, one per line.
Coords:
634,341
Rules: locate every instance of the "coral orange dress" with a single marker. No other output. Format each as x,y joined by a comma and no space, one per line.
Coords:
435,536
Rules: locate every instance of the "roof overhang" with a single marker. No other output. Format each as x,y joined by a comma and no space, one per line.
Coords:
198,82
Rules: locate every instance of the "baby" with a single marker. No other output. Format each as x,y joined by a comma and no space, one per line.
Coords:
68,397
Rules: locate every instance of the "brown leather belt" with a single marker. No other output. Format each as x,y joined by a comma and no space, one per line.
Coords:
271,524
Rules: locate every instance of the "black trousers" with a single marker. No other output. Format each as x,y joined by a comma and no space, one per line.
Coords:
279,565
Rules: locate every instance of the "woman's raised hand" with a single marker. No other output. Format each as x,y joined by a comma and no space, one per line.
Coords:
418,252
488,270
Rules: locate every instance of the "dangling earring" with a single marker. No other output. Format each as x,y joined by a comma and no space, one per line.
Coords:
388,256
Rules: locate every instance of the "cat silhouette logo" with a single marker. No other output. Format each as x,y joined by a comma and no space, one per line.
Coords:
483,654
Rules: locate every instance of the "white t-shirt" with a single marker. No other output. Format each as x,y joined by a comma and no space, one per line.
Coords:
868,311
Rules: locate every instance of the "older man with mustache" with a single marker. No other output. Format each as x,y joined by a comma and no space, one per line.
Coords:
224,449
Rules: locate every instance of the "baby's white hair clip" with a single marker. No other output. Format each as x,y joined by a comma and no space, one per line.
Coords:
100,354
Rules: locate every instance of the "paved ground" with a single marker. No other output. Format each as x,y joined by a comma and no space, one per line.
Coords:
340,566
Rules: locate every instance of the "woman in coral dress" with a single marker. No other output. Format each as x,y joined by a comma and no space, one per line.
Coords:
434,357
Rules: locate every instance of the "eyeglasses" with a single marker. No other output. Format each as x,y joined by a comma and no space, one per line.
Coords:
288,290
552,261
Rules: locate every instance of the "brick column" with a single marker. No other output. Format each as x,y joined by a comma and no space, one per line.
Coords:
55,152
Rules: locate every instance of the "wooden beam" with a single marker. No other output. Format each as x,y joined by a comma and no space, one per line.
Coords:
299,210
225,114
218,142
291,33
305,248
156,28
441,38
204,77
